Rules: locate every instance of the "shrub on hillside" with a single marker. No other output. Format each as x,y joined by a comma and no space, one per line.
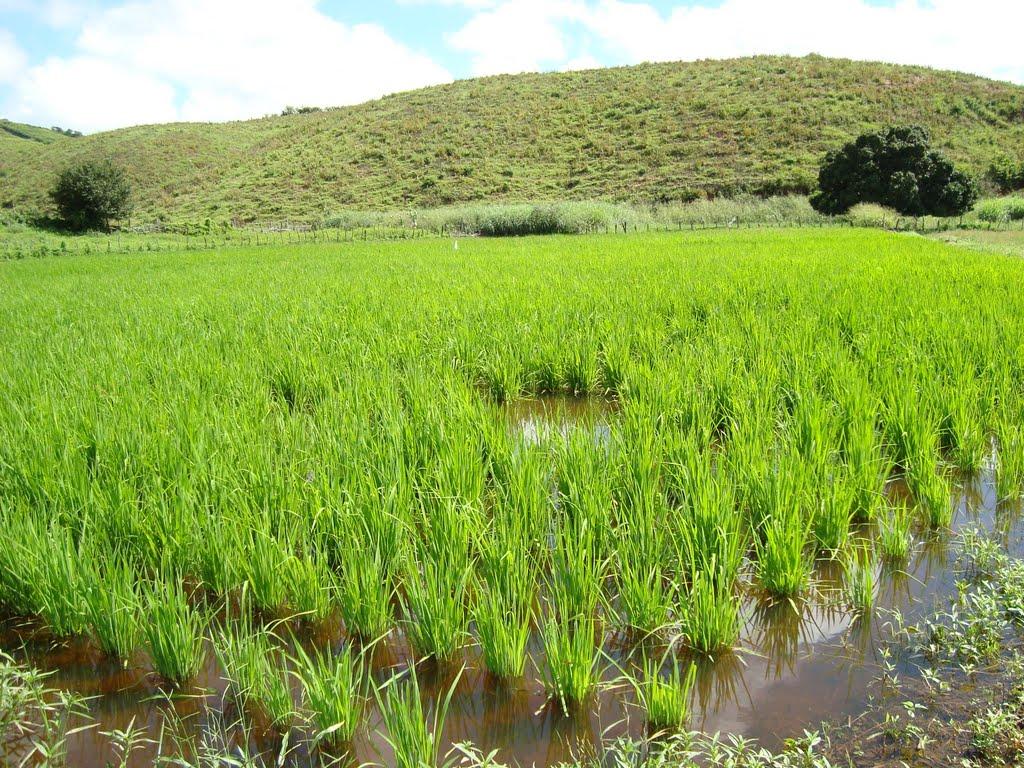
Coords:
1007,174
895,168
90,195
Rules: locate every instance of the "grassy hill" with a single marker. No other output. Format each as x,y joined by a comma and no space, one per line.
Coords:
654,132
13,133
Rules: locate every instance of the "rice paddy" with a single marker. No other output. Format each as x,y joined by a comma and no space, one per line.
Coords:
376,499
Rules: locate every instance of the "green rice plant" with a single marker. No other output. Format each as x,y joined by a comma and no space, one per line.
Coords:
216,548
712,538
577,569
962,431
266,567
172,630
813,430
860,579
53,574
1010,469
364,592
413,735
113,608
932,494
833,512
867,465
783,565
571,673
504,607
665,698
894,537
645,592
436,595
709,615
256,671
334,689
309,585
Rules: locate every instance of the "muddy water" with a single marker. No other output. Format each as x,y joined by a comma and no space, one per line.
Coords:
798,663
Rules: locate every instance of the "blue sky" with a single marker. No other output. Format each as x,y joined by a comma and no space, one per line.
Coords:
102,64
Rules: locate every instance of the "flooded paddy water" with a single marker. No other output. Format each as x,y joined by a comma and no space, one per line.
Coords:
799,662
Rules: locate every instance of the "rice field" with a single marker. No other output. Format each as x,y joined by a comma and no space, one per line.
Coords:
372,499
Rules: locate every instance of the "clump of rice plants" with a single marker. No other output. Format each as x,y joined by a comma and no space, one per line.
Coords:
833,512
309,585
571,673
709,615
503,611
894,537
932,494
113,607
173,631
860,579
257,674
665,698
436,599
1010,469
334,692
413,734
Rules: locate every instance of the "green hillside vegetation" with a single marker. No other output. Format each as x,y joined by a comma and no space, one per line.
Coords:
13,134
646,134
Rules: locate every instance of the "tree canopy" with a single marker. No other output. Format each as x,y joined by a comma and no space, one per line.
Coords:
90,195
895,167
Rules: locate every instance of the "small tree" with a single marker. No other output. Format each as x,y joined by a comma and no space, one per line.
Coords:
897,168
89,195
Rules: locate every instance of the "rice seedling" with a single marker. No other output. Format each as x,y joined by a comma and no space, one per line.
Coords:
364,592
266,566
833,512
113,608
932,494
709,615
436,595
665,698
1010,469
894,537
334,689
413,734
504,608
860,579
173,631
257,673
309,585
571,673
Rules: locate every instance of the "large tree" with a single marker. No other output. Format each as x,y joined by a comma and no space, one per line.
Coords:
895,167
90,195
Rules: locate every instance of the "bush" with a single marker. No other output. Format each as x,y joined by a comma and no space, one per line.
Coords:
1007,174
89,195
1001,210
895,168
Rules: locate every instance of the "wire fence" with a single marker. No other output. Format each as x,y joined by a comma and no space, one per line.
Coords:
33,245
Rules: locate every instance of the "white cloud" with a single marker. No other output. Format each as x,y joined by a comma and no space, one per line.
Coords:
981,36
520,36
12,58
217,60
91,94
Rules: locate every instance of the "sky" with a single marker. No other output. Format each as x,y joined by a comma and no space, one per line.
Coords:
93,65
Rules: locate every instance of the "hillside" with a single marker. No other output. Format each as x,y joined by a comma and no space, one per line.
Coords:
645,133
19,132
